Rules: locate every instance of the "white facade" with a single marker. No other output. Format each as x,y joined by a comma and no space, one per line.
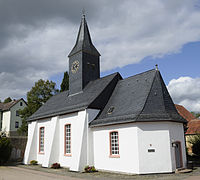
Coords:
143,147
10,117
54,141
135,139
6,121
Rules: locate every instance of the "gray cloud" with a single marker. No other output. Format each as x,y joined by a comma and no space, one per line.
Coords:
36,36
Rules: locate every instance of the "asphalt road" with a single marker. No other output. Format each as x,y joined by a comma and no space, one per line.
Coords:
15,173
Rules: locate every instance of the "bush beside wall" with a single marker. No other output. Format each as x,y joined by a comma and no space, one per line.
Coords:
5,149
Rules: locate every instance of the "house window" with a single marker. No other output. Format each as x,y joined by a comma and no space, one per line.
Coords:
21,104
17,113
16,124
68,139
41,140
114,144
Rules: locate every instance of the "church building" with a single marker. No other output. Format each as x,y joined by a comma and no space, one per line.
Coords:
120,125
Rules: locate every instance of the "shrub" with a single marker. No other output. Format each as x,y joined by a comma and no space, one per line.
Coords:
5,149
33,162
55,166
90,169
195,141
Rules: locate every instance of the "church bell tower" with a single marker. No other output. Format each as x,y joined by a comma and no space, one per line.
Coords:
83,60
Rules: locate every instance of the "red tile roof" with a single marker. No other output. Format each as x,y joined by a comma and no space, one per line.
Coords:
193,123
184,113
193,127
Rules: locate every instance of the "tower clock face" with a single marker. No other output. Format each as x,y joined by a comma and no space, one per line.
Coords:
75,66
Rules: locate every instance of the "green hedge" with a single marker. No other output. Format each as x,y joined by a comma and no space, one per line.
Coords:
5,149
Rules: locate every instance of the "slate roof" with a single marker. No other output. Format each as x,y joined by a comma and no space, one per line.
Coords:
84,42
94,95
7,106
140,98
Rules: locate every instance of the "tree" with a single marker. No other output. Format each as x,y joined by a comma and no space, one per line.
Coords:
7,100
36,97
65,82
5,149
197,115
195,141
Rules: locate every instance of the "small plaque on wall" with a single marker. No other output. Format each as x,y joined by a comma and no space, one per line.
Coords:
151,150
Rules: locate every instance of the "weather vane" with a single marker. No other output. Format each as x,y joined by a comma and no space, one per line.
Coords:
83,12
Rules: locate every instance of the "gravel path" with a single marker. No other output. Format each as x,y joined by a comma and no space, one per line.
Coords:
16,173
23,172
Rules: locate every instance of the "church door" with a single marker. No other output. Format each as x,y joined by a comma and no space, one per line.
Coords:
178,155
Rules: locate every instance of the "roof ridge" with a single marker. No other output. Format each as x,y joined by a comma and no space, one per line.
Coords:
164,91
139,74
110,75
147,95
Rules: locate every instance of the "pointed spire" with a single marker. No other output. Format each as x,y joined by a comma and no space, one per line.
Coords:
84,42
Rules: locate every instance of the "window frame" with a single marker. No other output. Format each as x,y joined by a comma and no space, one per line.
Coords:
41,152
17,123
70,140
111,152
17,113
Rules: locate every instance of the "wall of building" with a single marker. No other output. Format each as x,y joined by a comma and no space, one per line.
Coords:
91,114
6,121
18,148
154,136
143,147
91,146
54,138
15,118
46,123
31,146
128,149
77,160
177,135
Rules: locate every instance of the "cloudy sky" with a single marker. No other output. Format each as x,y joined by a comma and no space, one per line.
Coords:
132,36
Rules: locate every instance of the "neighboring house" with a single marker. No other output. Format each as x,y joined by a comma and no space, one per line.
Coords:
10,120
123,125
193,125
184,113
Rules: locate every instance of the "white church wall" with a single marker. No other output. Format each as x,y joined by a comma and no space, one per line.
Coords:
52,143
46,123
128,161
91,114
154,147
78,125
54,137
31,146
143,147
177,135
